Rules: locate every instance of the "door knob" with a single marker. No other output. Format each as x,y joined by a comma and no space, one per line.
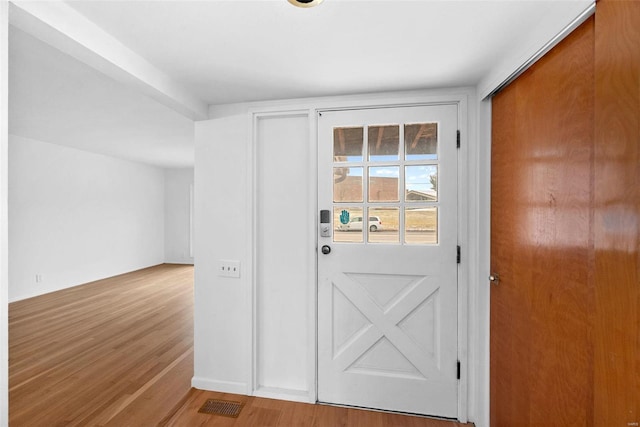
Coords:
494,278
326,249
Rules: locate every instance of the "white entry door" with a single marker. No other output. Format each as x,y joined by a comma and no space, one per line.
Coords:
387,267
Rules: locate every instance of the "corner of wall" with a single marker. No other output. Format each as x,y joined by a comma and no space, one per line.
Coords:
4,278
66,230
178,215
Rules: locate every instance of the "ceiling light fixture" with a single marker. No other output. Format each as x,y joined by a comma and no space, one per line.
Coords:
305,3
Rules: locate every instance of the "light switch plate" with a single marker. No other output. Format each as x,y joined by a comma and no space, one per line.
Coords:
229,268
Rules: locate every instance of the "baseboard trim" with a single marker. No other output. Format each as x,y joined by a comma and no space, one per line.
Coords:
178,262
284,394
217,385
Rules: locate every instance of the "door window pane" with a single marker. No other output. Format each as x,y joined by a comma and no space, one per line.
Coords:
421,141
347,184
347,144
384,183
384,143
421,183
383,171
421,225
384,225
347,224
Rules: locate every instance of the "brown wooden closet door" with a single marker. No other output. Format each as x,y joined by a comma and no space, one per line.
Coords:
541,310
617,214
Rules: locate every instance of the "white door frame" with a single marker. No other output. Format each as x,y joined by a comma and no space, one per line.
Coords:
467,226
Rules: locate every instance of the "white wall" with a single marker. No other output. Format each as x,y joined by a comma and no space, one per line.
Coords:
270,314
178,184
76,217
222,315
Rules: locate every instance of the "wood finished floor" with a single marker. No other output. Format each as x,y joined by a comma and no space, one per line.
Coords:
259,412
114,352
119,352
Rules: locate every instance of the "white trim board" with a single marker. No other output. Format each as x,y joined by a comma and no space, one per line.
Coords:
221,386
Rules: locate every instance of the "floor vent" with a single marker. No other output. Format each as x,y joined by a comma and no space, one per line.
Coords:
226,408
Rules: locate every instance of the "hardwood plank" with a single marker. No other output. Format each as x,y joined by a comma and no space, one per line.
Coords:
103,351
145,409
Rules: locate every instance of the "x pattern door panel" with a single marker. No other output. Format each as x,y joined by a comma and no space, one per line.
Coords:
379,325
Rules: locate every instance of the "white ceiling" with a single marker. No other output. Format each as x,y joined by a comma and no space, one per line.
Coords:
238,51
233,51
